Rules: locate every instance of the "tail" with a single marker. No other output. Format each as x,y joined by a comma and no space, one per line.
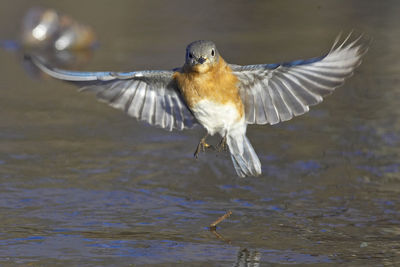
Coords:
243,156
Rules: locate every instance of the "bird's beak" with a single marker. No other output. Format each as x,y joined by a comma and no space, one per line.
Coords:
201,60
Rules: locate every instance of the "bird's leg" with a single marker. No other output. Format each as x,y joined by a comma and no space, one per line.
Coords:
222,146
202,146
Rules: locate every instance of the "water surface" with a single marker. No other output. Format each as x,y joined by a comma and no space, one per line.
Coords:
83,184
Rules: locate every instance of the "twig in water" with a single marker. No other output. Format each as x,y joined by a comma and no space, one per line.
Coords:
213,226
219,236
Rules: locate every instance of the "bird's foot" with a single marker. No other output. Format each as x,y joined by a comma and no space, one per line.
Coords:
202,146
222,146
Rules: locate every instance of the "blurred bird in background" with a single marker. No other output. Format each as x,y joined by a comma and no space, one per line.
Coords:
46,28
56,37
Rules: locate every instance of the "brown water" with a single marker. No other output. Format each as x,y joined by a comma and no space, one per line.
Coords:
83,184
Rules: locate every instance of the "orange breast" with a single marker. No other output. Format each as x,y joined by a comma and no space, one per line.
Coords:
218,85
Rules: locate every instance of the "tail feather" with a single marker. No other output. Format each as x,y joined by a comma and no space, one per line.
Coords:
244,158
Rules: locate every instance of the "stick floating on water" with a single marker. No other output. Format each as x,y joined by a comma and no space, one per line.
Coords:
213,226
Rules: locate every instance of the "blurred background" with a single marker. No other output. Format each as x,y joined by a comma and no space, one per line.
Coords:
83,184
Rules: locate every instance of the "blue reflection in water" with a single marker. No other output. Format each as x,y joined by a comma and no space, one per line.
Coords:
229,187
242,203
307,166
10,45
380,170
153,252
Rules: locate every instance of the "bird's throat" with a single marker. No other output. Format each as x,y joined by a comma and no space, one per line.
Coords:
218,84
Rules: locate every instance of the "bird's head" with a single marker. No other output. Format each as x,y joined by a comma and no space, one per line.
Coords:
201,56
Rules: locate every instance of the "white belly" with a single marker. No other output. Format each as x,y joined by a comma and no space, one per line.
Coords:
215,117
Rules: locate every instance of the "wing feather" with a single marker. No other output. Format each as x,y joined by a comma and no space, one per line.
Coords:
260,113
276,92
279,103
272,112
150,96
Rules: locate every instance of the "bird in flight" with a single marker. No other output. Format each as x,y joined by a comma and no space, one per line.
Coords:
224,98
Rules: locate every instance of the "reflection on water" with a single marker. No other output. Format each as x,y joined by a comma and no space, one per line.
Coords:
55,37
246,258
47,28
82,184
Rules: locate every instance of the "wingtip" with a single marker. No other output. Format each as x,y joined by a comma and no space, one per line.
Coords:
27,57
361,41
39,63
32,58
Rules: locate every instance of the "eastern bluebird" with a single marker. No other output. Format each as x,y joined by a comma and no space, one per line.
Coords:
223,98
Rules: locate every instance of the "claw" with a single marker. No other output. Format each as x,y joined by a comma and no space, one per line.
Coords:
202,146
222,146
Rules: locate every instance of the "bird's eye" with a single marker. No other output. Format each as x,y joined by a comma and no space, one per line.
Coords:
190,55
212,52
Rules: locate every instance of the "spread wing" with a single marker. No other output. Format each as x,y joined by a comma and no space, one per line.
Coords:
150,96
276,92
